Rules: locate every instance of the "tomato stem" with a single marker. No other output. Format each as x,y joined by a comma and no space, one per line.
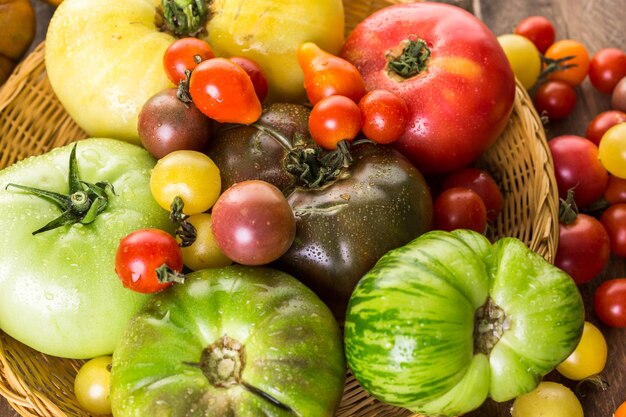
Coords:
568,211
186,231
165,274
490,322
411,61
185,17
83,203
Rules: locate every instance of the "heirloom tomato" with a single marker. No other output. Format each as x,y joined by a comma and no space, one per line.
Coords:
618,97
232,341
567,60
548,399
614,220
612,150
442,323
334,119
184,55
92,385
539,30
589,357
602,122
481,182
104,76
59,292
555,99
351,205
523,56
451,71
606,68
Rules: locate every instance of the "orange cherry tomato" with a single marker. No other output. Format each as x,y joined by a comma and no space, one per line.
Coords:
222,90
571,57
326,74
621,410
334,119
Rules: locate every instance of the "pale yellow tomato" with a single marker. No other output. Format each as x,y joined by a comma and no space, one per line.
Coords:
203,252
589,357
548,399
523,56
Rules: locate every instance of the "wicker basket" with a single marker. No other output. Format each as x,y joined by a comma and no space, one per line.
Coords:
32,121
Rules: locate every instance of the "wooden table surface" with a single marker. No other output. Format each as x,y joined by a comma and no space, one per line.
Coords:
597,24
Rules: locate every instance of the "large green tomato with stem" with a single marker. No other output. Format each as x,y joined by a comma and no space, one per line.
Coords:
63,214
449,319
234,341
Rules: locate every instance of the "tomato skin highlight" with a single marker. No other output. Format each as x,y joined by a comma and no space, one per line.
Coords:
223,91
462,82
609,302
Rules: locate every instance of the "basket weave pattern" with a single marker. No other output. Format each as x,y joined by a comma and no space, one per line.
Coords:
32,121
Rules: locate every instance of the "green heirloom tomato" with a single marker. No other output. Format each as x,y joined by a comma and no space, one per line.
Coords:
449,319
232,341
59,293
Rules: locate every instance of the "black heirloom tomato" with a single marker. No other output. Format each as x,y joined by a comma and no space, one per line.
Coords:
351,206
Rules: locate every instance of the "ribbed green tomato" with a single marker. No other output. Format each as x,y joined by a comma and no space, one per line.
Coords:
59,292
233,341
446,321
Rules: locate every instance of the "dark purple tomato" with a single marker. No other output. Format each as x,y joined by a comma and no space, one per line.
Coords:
167,124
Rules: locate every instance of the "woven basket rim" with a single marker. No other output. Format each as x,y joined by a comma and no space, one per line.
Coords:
541,236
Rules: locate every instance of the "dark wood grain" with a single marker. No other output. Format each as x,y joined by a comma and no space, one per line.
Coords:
597,24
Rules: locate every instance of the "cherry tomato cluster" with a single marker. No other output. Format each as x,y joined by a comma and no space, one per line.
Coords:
552,68
342,108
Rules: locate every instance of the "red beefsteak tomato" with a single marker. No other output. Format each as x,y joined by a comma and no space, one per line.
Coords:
451,71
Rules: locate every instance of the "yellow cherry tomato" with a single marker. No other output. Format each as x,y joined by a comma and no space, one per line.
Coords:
548,399
523,56
92,385
190,175
589,357
612,150
203,252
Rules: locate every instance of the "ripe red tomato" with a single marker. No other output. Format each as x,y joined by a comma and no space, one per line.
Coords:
598,126
539,30
606,68
577,167
149,260
256,74
223,91
385,115
615,190
575,65
334,119
609,302
555,98
459,208
614,220
584,248
459,90
618,97
184,55
482,183
253,223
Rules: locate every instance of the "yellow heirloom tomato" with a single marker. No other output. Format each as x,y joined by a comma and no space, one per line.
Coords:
105,57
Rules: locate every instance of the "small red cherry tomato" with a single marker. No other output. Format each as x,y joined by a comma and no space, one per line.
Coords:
256,73
615,190
459,208
556,99
578,167
184,55
609,302
614,220
598,126
584,248
606,68
223,91
539,30
385,116
334,119
482,183
149,260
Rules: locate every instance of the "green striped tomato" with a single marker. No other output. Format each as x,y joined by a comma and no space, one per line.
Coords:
449,319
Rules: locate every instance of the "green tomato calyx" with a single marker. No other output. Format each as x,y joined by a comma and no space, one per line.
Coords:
411,61
185,17
223,362
83,203
490,323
